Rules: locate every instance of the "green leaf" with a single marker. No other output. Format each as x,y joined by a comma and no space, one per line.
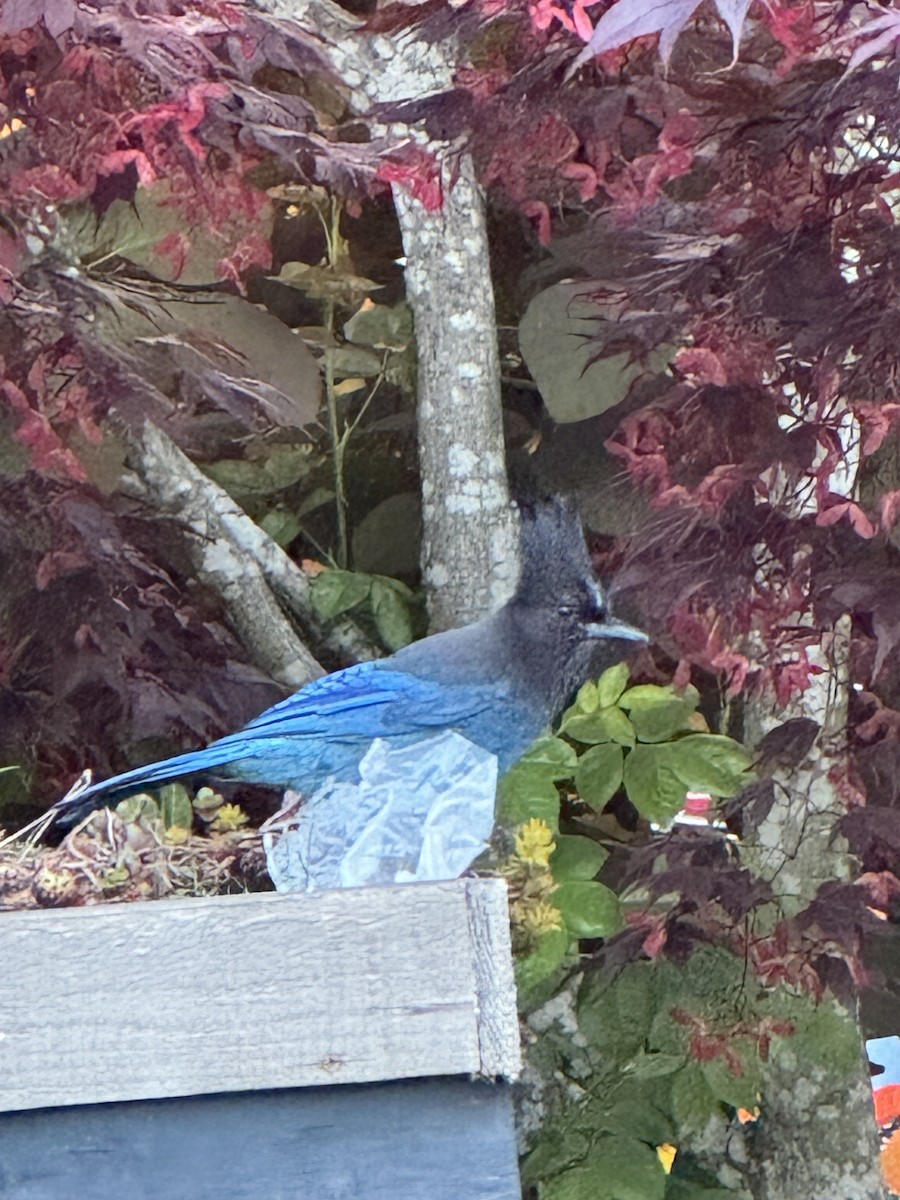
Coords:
824,1035
557,1148
134,808
380,326
604,725
687,1189
616,1015
335,592
242,480
287,464
390,608
349,361
711,762
325,282
657,775
656,1065
589,909
693,1102
526,792
611,684
639,1108
659,712
576,857
588,698
529,788
562,334
316,498
282,527
715,975
554,755
175,806
206,800
738,1091
652,784
618,1168
598,775
547,957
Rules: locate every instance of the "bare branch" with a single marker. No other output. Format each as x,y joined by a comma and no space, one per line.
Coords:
242,564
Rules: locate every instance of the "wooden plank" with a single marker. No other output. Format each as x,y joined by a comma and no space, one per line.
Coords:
230,993
447,1139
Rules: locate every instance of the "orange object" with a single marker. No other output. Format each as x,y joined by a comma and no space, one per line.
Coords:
887,1103
890,1163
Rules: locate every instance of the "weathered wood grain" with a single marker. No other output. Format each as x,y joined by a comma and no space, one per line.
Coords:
444,1139
231,993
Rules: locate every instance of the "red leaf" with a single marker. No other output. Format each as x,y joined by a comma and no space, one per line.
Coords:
861,522
418,173
56,563
701,365
877,420
118,160
888,509
655,941
831,515
48,454
537,211
846,508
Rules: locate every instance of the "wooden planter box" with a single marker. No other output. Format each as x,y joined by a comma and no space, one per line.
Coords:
332,1046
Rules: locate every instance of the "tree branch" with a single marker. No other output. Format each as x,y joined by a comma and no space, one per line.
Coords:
240,562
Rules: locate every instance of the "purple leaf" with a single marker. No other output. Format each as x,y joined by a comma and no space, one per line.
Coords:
887,26
16,15
734,13
633,18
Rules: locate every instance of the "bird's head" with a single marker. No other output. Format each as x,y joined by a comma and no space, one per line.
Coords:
559,604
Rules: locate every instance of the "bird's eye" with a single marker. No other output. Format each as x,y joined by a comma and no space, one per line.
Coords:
567,610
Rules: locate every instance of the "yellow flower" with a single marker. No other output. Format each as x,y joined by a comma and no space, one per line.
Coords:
666,1155
229,817
537,917
534,842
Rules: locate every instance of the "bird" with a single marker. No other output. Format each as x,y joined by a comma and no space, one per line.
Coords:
499,682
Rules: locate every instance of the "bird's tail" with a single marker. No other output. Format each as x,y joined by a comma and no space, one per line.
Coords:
80,801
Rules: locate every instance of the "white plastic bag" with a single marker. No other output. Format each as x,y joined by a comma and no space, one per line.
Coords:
419,812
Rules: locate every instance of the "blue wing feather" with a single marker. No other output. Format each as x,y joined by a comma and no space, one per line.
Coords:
324,729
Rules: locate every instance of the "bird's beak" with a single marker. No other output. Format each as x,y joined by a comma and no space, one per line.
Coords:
611,628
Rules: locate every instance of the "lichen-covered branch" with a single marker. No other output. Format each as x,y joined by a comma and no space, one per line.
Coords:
818,1137
240,562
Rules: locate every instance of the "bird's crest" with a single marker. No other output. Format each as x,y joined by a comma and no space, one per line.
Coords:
554,556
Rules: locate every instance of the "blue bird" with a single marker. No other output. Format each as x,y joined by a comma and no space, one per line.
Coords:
499,683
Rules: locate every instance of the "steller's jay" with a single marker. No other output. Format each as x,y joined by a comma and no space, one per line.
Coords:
498,682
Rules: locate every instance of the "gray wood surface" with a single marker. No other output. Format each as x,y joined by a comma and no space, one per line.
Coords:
231,993
447,1139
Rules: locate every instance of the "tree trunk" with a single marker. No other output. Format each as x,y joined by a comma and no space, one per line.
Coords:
469,544
468,547
817,1136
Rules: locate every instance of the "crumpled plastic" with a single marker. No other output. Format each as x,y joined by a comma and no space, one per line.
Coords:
419,812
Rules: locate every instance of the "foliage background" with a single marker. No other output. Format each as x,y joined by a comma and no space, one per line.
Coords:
695,257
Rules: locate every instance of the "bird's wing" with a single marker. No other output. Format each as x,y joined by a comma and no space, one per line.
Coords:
368,701
355,705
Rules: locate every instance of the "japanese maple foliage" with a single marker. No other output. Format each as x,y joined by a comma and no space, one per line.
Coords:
137,144
743,212
721,176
